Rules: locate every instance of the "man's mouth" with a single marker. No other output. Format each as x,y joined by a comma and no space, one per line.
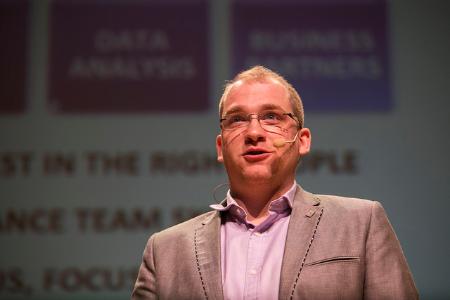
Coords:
254,152
253,155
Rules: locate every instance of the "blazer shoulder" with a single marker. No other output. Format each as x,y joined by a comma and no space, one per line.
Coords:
346,203
354,208
186,228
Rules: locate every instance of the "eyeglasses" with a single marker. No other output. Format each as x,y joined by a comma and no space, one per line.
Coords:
269,120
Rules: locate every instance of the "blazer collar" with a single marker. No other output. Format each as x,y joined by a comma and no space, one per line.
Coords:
305,217
207,255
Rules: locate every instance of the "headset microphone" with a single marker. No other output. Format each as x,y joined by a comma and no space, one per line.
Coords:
278,143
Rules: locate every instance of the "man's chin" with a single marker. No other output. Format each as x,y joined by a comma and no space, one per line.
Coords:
257,175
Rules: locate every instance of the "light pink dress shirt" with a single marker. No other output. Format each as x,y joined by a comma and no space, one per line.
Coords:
251,256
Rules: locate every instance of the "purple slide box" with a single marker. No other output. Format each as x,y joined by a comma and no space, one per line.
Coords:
128,56
334,52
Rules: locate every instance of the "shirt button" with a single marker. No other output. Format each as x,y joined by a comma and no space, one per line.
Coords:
253,272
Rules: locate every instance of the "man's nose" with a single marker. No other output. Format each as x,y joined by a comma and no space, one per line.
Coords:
254,132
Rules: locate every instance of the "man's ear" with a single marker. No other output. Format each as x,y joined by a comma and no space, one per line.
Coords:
219,148
304,137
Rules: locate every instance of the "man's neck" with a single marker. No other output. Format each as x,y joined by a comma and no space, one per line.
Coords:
255,198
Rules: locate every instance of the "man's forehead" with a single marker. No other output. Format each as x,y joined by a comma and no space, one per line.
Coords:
265,94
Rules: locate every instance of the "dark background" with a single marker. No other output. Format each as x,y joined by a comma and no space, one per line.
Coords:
97,167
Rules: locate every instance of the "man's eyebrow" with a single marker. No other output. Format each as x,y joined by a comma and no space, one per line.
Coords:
239,108
271,106
234,110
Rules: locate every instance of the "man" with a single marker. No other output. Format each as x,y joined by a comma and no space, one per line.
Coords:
270,239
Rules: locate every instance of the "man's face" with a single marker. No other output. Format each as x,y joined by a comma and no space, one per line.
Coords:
249,153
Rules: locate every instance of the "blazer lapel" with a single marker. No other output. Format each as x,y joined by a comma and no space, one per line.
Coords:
305,218
207,254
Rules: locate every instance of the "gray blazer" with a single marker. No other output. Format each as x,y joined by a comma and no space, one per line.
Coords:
336,248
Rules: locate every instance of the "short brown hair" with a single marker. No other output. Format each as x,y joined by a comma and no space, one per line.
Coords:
262,74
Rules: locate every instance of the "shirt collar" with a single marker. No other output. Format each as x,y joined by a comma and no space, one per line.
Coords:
279,205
